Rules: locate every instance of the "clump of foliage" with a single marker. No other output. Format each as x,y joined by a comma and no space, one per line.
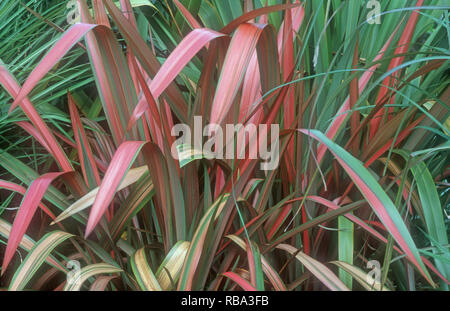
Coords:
86,140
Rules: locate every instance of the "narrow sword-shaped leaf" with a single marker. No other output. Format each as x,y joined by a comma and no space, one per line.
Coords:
239,54
13,88
120,164
145,56
377,199
88,165
173,65
62,46
255,266
130,178
187,15
196,246
26,212
113,79
141,194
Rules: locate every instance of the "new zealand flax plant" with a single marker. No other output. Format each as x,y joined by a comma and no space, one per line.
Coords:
93,196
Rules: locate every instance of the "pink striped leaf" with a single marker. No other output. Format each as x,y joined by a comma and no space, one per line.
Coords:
187,15
88,165
13,88
19,189
62,46
319,270
145,56
243,283
238,57
26,212
120,164
377,198
173,65
388,82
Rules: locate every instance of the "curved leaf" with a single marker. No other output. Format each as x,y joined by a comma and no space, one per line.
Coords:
196,246
40,251
377,199
240,281
28,207
131,177
170,268
143,272
64,44
173,65
320,271
87,272
360,276
121,162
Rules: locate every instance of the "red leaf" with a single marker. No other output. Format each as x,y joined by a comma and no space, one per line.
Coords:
240,51
155,120
187,15
83,147
62,46
342,113
26,212
13,88
388,82
240,281
146,58
122,160
127,10
100,13
173,65
19,189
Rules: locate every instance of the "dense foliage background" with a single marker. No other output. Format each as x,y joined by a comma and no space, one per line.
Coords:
89,190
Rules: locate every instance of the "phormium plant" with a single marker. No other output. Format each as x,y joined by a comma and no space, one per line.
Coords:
99,191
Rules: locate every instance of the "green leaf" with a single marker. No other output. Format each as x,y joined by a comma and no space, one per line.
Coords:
377,198
432,209
345,247
143,272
